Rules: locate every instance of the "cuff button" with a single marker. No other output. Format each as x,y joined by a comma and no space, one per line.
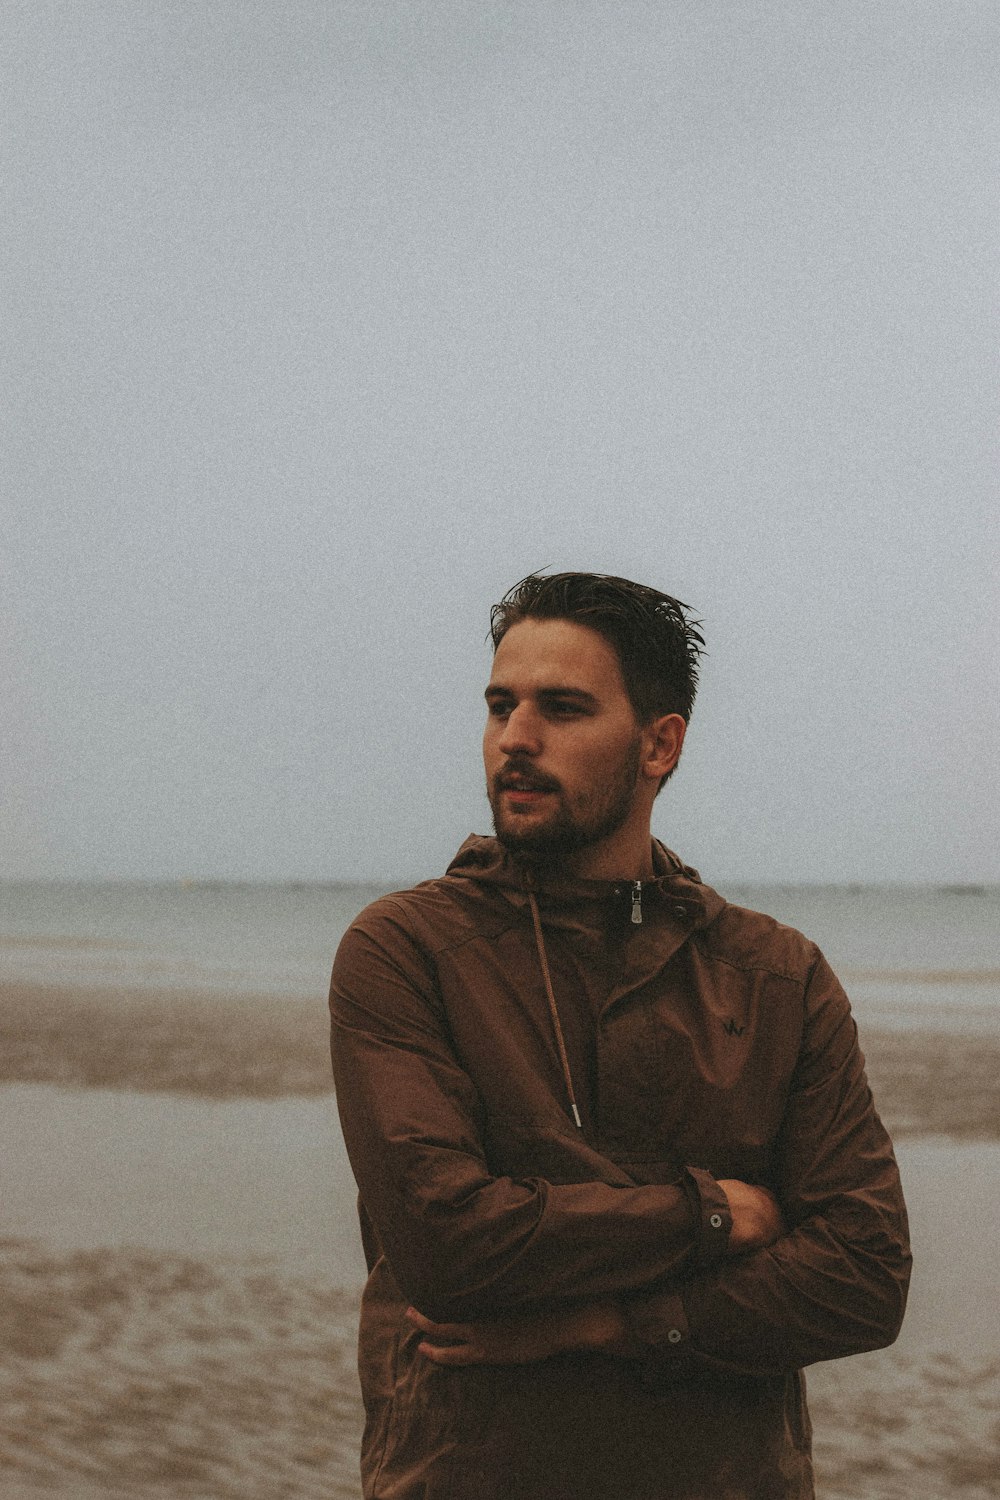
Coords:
716,1221
674,1336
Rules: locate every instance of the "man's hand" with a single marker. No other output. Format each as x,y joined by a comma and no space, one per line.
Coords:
596,1326
757,1220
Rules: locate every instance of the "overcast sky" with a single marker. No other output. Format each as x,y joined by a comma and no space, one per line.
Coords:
326,322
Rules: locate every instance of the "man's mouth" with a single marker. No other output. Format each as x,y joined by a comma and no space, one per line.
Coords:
523,786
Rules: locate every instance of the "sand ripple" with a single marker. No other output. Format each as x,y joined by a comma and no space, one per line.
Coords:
129,1374
891,1428
139,1374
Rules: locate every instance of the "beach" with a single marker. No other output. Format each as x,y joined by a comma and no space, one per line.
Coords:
180,1267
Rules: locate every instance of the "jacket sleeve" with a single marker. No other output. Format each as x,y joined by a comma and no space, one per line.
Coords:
836,1283
460,1241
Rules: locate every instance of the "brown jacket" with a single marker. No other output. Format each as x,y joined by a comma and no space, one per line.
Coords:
703,1042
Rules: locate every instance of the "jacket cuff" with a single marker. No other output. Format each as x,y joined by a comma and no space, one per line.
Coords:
658,1333
714,1219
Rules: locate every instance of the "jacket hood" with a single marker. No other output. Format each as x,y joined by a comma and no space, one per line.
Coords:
485,860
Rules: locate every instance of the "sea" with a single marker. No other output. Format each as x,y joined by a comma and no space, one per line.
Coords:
910,956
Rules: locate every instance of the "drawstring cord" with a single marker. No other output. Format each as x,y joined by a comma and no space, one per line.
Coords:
553,1012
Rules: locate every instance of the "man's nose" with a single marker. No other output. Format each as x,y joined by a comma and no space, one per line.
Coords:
521,734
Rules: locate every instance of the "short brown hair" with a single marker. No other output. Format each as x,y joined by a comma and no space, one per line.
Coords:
657,643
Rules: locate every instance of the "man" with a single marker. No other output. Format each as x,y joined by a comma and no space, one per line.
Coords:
620,1172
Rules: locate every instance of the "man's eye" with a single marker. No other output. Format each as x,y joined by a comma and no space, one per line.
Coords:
498,710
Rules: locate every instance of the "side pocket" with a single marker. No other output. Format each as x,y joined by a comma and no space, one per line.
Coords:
426,1430
388,1418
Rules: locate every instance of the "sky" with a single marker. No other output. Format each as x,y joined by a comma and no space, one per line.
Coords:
327,322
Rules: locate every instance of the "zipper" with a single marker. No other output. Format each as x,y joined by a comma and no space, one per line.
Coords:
637,903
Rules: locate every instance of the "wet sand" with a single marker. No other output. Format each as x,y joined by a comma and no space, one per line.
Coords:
178,1282
97,1168
941,1078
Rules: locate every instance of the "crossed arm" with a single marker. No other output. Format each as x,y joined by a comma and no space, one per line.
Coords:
599,1326
505,1270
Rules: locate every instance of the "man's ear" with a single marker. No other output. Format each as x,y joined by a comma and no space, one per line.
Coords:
664,741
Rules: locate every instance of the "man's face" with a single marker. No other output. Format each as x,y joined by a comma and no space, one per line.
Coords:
562,744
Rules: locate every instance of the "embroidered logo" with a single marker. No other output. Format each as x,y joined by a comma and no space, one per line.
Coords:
731,1029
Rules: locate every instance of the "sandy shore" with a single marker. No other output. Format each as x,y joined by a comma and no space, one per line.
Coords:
133,1374
178,1282
217,1046
943,1078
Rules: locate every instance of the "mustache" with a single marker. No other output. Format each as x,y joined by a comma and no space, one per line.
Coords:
521,778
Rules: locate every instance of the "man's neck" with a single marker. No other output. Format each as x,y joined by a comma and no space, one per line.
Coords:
609,863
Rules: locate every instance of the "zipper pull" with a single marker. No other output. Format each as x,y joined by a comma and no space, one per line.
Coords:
637,903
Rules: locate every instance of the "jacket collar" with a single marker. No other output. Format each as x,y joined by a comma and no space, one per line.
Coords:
674,883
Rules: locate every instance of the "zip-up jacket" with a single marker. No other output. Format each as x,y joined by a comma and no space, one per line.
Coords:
474,1020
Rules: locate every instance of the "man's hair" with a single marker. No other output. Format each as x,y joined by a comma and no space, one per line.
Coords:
655,639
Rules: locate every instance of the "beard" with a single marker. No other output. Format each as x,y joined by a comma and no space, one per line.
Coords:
570,827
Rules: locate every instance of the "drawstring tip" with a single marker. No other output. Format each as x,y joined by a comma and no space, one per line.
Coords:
576,1116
